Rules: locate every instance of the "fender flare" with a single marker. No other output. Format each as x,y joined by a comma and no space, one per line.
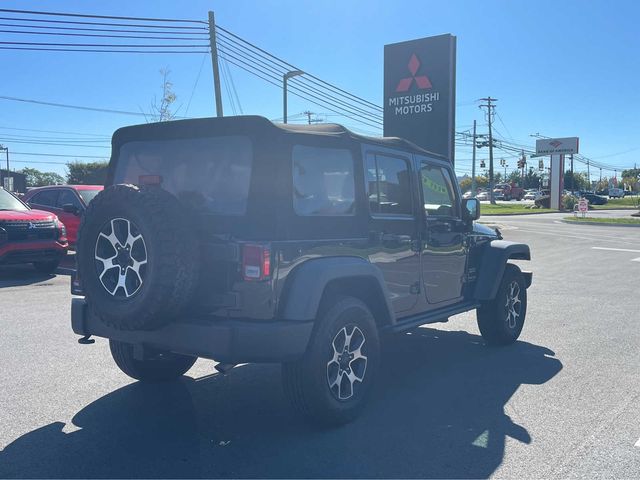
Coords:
494,259
305,285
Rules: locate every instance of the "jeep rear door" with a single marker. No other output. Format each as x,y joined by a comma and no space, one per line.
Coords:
444,254
393,232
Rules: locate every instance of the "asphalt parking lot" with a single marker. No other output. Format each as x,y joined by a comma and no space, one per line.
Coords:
561,402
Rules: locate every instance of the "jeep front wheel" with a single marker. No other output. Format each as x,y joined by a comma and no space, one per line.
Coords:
154,366
331,382
501,320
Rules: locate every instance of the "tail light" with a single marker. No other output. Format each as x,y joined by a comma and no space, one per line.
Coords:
256,262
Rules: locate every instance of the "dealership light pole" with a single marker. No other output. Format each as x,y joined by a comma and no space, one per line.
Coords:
285,79
214,63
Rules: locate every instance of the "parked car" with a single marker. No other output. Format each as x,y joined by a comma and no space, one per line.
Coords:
616,193
30,236
68,202
604,191
246,241
533,195
483,196
593,198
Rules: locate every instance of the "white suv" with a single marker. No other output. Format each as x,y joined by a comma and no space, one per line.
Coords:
616,193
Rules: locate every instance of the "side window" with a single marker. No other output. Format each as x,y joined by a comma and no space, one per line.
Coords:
388,185
67,196
46,198
437,189
323,181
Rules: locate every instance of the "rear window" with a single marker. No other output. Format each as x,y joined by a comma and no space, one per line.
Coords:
210,174
88,195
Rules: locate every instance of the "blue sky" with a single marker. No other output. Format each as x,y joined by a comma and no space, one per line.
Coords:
560,68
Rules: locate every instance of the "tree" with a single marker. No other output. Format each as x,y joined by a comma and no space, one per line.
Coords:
531,179
36,178
577,180
161,112
94,173
631,173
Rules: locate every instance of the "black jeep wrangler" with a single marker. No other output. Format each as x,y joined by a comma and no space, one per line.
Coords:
239,240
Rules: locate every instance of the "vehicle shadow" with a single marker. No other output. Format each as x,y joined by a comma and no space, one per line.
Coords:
21,275
438,411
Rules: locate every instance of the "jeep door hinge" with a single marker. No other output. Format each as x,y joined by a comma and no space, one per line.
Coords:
415,288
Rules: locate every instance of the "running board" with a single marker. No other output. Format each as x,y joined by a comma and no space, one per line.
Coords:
435,316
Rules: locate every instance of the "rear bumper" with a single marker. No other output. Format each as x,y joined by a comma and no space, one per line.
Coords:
27,252
229,341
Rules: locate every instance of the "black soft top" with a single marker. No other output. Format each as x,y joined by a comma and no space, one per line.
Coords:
250,125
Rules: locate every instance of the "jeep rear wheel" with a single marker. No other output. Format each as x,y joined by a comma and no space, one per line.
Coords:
155,366
137,257
501,320
331,382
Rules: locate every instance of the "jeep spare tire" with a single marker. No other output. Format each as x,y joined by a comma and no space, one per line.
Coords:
137,257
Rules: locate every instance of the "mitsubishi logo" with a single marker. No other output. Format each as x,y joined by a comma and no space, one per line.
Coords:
555,143
422,81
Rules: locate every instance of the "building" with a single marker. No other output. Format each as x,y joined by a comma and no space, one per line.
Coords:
19,180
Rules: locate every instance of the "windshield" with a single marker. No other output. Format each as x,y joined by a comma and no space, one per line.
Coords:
88,195
206,173
9,202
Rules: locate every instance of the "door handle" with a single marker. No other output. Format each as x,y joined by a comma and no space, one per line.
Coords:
396,238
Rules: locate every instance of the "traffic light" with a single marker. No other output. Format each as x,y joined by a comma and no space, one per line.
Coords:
482,164
540,165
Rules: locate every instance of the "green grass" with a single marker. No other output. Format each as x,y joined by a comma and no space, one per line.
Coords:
619,203
508,209
625,221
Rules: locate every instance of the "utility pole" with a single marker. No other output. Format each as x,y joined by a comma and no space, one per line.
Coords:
588,175
214,63
573,181
601,174
308,114
489,106
8,175
473,164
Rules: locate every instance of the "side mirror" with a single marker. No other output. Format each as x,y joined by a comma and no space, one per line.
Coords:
470,209
70,208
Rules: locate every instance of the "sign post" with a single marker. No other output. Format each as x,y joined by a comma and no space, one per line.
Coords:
420,92
557,148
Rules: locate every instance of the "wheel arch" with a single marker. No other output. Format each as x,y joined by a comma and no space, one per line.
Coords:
312,283
495,257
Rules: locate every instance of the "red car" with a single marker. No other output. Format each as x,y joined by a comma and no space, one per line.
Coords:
30,236
68,202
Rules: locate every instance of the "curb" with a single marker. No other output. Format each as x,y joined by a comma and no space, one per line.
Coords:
605,224
513,214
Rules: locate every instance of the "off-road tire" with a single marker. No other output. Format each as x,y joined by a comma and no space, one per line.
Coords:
172,251
48,267
161,367
496,325
306,381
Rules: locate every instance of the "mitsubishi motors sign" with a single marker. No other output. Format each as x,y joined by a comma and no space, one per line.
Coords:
419,92
557,146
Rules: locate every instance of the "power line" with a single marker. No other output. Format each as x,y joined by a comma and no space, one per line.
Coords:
101,35
116,30
251,58
53,131
289,66
79,15
59,155
45,49
110,24
109,45
76,107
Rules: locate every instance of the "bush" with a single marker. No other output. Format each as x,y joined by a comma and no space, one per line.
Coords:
569,202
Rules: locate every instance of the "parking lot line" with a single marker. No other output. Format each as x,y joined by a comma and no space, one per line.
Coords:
617,250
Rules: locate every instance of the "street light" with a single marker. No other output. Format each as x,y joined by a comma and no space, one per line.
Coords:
8,182
285,78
